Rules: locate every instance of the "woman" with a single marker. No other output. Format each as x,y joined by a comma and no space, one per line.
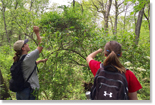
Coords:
22,48
112,52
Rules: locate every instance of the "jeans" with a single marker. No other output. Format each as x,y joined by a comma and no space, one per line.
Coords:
27,94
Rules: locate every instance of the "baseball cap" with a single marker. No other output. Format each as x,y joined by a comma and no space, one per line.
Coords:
19,44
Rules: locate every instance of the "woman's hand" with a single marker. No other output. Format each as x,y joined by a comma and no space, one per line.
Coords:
92,55
44,60
100,50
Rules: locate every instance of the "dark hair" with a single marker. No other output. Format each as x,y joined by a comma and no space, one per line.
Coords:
112,50
17,55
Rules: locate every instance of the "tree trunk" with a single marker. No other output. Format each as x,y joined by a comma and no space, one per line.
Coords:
31,5
3,11
106,16
73,3
105,10
112,25
138,25
116,15
125,19
4,93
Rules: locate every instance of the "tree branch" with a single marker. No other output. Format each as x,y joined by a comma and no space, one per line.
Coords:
76,53
147,20
16,5
79,63
95,6
120,3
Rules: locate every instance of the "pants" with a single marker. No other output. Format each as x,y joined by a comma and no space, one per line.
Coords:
27,94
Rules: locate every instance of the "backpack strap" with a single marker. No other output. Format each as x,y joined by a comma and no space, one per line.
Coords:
22,58
31,73
101,65
93,89
33,69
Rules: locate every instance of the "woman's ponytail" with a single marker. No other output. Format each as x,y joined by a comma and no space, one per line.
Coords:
111,59
113,50
17,55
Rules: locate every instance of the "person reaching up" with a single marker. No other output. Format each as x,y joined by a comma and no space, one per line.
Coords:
112,52
28,65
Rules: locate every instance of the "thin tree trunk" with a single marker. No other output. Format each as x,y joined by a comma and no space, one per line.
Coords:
3,10
16,5
31,5
116,16
106,16
138,25
125,18
112,25
73,3
105,10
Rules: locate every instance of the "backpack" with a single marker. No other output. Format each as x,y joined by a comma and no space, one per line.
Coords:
17,82
109,84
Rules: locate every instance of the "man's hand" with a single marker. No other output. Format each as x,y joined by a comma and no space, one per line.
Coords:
36,29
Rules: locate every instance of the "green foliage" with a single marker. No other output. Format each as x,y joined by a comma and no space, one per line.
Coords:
137,59
139,4
66,35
